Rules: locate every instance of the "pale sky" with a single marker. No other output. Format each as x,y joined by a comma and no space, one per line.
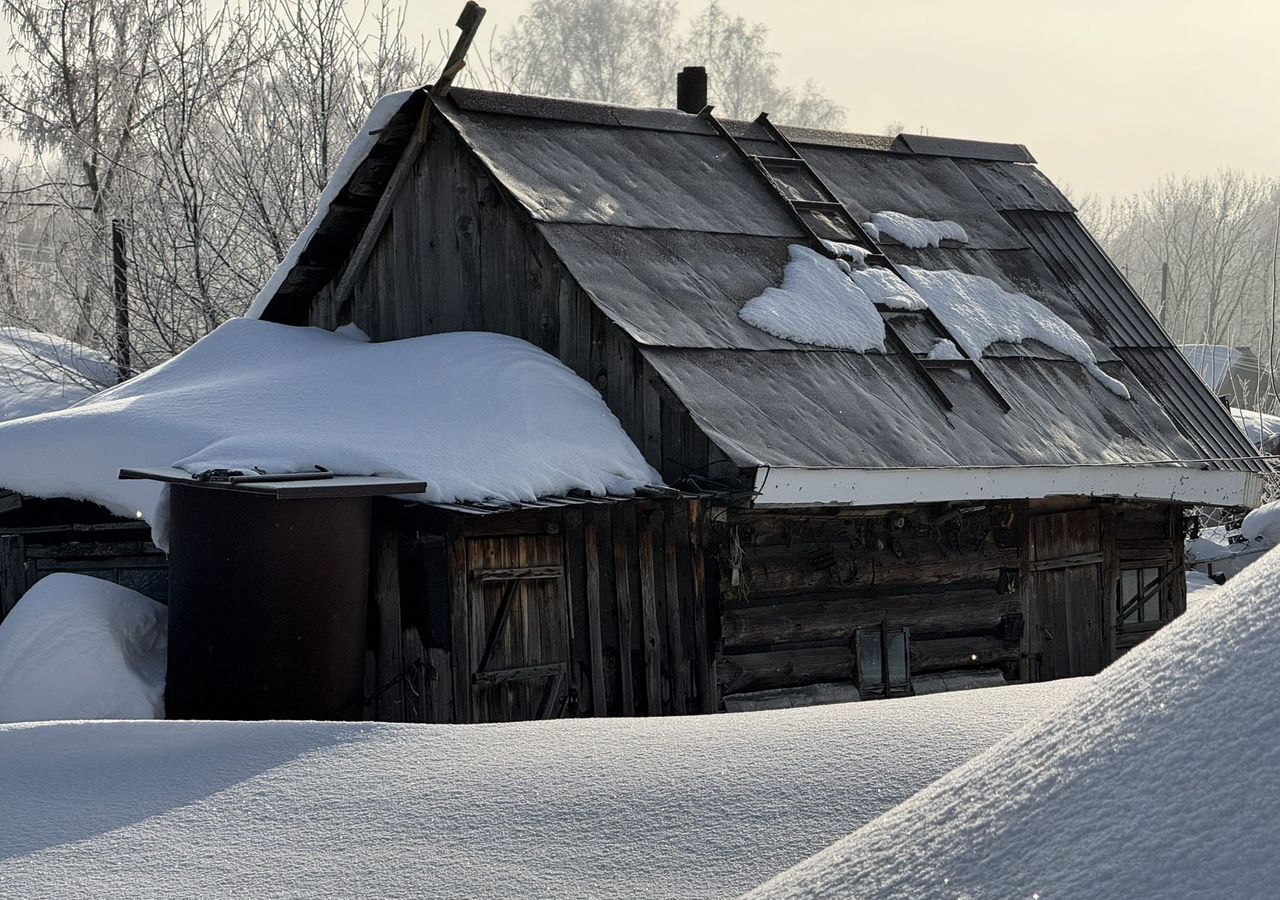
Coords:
1108,94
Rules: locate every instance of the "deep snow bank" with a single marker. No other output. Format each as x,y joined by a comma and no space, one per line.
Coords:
1161,779
474,414
698,806
40,372
81,648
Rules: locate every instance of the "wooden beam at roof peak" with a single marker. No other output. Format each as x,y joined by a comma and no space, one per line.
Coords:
469,24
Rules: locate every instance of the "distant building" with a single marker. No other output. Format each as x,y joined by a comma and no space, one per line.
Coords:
1231,372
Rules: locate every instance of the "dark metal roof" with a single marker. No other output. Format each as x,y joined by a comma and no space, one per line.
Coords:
838,409
670,233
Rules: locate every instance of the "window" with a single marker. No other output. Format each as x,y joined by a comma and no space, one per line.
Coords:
1141,595
883,662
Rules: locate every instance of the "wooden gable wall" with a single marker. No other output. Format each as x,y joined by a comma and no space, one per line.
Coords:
458,254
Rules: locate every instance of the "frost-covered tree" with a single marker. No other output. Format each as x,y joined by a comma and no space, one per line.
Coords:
628,51
1202,252
208,129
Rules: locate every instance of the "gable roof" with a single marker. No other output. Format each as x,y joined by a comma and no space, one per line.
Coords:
670,233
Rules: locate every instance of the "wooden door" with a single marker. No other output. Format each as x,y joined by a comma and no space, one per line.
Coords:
518,627
1066,612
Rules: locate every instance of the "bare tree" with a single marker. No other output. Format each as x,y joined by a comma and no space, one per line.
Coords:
207,128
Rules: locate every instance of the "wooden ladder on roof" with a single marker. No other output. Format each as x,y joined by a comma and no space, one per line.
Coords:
825,219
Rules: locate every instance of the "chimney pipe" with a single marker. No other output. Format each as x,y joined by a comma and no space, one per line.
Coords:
691,89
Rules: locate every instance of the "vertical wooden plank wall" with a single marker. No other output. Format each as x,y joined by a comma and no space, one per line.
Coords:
636,607
457,254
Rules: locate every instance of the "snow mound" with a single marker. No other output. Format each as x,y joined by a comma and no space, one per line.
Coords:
694,806
40,372
77,647
1262,429
356,153
475,415
1200,588
1161,779
978,312
817,304
916,233
1262,525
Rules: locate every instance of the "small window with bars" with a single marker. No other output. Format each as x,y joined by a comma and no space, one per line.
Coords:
1141,597
883,660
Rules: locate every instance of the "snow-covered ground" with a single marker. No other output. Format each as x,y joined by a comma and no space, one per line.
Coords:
77,647
475,415
699,806
1160,779
40,372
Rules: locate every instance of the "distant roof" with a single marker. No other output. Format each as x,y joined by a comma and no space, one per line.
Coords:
670,233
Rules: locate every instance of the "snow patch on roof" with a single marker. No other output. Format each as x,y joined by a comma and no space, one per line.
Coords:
40,372
916,233
979,313
77,647
356,153
1170,754
686,806
475,415
817,304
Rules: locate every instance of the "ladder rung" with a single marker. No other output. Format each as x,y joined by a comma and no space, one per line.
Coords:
820,205
781,162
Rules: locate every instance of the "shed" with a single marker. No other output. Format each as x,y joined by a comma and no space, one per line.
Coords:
870,518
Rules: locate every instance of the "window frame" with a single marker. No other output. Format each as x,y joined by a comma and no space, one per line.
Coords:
1163,570
886,687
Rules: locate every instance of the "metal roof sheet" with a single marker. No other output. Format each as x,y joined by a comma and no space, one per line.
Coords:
852,410
570,172
1009,186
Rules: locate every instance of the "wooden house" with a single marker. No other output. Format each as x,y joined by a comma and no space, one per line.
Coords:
857,524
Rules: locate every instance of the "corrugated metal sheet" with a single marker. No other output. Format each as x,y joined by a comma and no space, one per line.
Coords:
1123,320
851,410
1080,266
1009,186
1198,414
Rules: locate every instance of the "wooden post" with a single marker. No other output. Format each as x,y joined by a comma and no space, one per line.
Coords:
13,576
591,539
120,275
649,612
385,585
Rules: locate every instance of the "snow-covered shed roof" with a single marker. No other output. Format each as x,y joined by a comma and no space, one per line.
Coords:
478,416
671,233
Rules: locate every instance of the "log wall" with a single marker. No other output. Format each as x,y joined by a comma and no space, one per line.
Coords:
797,585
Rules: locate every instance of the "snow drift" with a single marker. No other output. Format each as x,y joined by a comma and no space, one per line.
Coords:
81,648
40,372
693,806
1161,779
475,415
